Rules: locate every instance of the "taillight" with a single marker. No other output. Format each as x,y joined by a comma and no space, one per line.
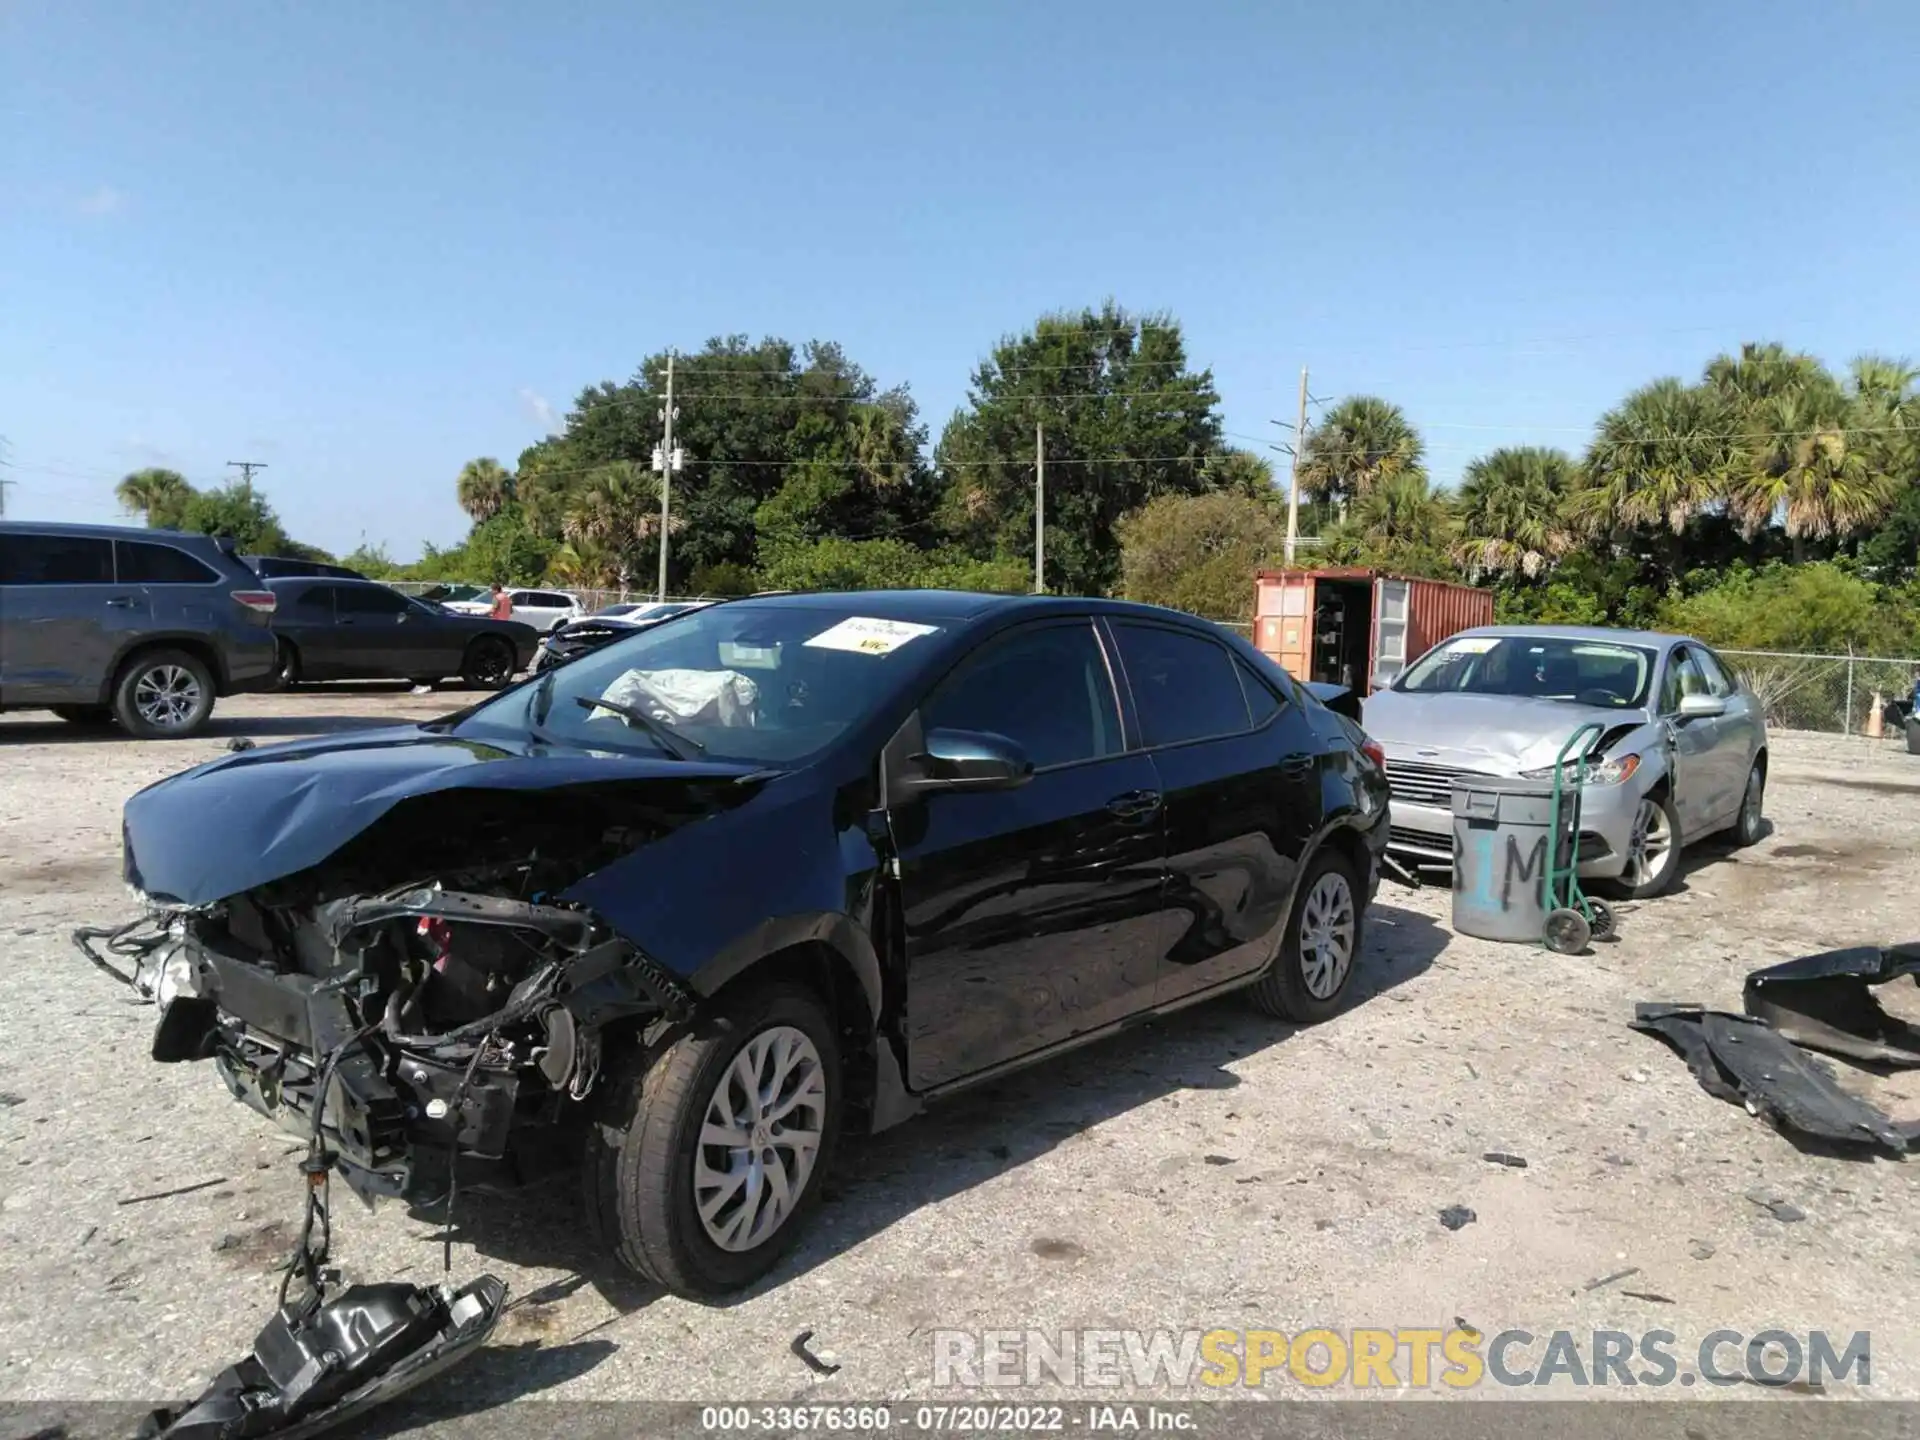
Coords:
263,601
1371,749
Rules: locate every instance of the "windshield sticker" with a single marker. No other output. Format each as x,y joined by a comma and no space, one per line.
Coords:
1474,645
865,636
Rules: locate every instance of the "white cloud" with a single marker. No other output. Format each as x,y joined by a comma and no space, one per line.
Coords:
540,409
104,201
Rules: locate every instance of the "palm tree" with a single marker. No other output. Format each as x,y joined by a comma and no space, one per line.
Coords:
1660,457
614,513
1402,512
1761,371
484,488
155,494
1803,467
1361,442
1509,510
1885,415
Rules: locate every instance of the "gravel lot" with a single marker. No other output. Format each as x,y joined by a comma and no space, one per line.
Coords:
1216,1169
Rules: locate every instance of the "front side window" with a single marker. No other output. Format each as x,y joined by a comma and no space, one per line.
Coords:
369,600
1047,690
1185,687
55,560
1684,677
312,603
1719,682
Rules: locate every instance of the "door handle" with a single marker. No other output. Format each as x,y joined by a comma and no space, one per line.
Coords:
1134,804
1297,767
120,602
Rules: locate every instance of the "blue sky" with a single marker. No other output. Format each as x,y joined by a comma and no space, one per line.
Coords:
365,242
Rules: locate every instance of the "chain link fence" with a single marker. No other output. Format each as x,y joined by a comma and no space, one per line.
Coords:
1835,694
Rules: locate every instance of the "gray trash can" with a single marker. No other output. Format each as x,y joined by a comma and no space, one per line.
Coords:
1500,854
1913,734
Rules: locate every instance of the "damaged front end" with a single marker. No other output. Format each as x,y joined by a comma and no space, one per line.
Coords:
409,1029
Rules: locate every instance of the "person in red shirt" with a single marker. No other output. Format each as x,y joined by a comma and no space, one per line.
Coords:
502,604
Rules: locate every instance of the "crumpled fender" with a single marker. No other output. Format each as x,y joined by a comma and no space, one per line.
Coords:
247,819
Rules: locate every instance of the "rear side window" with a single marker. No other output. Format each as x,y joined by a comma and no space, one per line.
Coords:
1262,703
1185,687
1046,690
309,602
55,560
144,564
368,600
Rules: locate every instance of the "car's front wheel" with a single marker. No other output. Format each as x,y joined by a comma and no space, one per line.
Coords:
710,1152
163,695
1309,978
1752,823
1653,850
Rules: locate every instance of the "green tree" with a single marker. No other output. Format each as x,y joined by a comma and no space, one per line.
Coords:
1817,608
374,561
1199,552
1401,524
158,495
1509,511
239,512
1125,421
1659,458
484,488
1362,442
614,516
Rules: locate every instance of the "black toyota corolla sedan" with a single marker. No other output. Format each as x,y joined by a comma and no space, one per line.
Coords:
785,865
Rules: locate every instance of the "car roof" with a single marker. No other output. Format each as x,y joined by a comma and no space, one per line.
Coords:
951,606
104,532
1654,639
346,580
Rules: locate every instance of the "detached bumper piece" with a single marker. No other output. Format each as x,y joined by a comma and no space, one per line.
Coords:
1817,1003
318,1365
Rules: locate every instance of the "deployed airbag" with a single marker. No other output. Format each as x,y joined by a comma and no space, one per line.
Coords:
708,697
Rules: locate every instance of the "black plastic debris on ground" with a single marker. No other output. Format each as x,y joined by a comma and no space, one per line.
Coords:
1455,1217
1743,1060
1506,1158
801,1346
1823,1002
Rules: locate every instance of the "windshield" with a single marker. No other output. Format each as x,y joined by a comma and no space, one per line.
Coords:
1538,667
758,684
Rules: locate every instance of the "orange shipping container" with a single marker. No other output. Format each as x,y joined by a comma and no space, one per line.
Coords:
1355,627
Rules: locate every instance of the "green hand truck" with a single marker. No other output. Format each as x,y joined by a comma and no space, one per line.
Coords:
1573,918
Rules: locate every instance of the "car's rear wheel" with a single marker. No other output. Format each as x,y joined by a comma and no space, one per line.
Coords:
163,695
286,672
89,715
710,1152
1752,823
1309,978
1653,850
489,663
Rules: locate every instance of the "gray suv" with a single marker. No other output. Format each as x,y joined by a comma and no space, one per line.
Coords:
104,623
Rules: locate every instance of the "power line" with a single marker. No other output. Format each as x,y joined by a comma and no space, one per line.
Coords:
246,469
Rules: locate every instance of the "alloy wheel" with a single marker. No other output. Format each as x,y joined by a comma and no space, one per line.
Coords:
1326,935
760,1138
1751,802
1650,847
166,696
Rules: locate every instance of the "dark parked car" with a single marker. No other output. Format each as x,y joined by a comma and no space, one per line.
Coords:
362,630
282,567
781,866
103,623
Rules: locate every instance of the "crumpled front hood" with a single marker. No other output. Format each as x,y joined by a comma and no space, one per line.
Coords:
225,827
1493,734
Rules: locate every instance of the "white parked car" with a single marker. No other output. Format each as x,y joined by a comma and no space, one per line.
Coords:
542,609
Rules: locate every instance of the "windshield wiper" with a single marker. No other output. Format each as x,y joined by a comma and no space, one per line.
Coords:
671,740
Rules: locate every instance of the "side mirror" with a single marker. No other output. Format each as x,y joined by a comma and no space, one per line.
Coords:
1701,707
966,760
1379,680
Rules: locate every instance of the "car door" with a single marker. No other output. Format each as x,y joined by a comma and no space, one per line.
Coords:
1033,914
378,638
304,617
1736,734
1239,770
1693,743
72,616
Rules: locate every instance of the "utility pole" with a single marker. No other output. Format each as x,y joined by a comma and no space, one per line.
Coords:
666,462
1039,509
246,469
3,496
1293,482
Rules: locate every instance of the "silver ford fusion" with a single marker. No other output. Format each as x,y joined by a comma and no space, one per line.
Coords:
1682,752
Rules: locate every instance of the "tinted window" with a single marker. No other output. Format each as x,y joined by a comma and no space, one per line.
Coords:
1261,700
368,600
55,560
1185,687
549,601
1047,690
144,564
308,602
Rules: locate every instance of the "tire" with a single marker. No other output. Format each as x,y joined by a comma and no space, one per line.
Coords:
645,1152
163,695
1751,824
489,663
286,671
1631,886
86,715
1305,986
